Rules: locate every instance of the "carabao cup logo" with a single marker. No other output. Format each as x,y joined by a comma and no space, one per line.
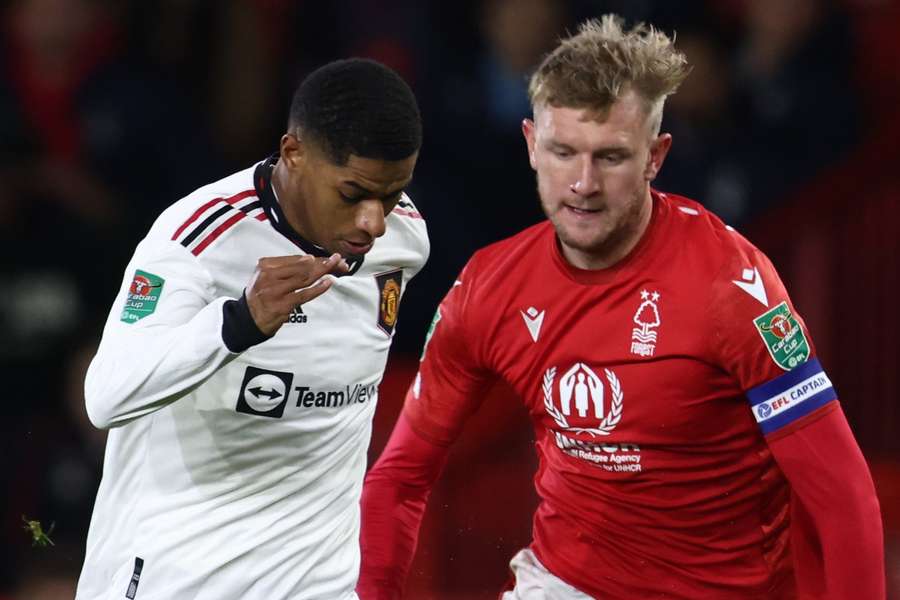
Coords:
143,295
780,326
783,336
140,286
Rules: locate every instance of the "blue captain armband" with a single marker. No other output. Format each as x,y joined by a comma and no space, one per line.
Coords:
791,396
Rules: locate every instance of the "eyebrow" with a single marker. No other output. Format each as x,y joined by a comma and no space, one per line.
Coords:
369,193
614,149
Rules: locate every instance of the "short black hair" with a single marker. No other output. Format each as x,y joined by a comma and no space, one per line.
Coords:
357,106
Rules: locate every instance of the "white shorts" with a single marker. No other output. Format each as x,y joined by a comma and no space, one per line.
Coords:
535,582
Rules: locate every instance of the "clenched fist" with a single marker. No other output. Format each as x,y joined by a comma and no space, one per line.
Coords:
282,282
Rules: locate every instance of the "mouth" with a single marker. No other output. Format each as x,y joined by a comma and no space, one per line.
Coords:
357,247
581,212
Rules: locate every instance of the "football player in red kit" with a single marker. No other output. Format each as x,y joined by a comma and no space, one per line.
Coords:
690,443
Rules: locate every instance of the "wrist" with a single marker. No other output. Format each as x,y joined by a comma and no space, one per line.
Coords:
239,330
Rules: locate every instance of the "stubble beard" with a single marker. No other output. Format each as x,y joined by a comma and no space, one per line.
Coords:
602,245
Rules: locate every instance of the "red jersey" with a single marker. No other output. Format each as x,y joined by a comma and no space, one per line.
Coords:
651,385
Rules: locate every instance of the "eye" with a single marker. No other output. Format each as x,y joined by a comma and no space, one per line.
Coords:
561,153
349,199
391,201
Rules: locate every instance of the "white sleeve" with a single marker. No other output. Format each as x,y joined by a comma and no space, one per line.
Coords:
159,344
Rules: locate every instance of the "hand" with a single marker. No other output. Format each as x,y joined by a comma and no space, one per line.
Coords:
282,282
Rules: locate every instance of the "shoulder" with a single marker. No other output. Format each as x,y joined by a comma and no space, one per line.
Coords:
205,214
509,253
406,225
738,280
492,269
711,245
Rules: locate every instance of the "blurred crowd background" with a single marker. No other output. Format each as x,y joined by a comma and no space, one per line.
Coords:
110,111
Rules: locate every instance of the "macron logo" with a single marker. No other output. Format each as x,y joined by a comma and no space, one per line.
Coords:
533,321
752,283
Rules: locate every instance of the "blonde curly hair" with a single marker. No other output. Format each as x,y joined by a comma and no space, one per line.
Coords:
595,67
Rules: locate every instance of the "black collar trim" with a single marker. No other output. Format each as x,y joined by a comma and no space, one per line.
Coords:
262,181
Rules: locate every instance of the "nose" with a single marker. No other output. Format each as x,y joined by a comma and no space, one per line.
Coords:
588,182
370,217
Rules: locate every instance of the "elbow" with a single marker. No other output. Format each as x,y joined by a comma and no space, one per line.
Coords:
97,411
861,493
869,507
861,523
97,402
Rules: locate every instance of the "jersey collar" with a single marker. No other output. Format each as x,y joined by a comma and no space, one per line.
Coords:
262,181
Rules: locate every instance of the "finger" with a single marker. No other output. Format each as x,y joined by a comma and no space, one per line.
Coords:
312,292
282,287
295,279
273,262
288,269
323,266
341,268
306,265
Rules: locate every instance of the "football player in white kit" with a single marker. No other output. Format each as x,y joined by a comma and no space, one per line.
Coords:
240,362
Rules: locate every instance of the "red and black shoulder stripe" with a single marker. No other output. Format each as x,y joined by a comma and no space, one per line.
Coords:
405,208
215,217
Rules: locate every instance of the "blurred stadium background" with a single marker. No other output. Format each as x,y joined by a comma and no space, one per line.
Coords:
109,111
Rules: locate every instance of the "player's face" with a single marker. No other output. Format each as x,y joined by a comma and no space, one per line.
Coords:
594,176
342,208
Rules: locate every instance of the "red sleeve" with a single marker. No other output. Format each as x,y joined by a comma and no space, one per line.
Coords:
758,334
393,504
836,530
452,377
764,344
448,388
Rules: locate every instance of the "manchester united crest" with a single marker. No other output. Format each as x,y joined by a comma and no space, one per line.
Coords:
390,285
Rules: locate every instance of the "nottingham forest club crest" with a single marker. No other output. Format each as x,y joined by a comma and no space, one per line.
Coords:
646,317
580,397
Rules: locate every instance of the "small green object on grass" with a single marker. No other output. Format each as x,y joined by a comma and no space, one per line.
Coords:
38,536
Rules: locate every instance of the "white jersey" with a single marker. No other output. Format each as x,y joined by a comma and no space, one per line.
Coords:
237,476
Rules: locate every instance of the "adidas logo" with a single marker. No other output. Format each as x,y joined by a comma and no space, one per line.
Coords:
297,315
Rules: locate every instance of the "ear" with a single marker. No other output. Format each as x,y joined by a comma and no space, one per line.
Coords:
528,132
659,148
294,151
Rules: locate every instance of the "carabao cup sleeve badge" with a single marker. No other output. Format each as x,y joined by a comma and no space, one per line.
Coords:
143,295
783,336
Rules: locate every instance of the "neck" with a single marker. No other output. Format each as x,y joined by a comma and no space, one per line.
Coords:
617,246
280,186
